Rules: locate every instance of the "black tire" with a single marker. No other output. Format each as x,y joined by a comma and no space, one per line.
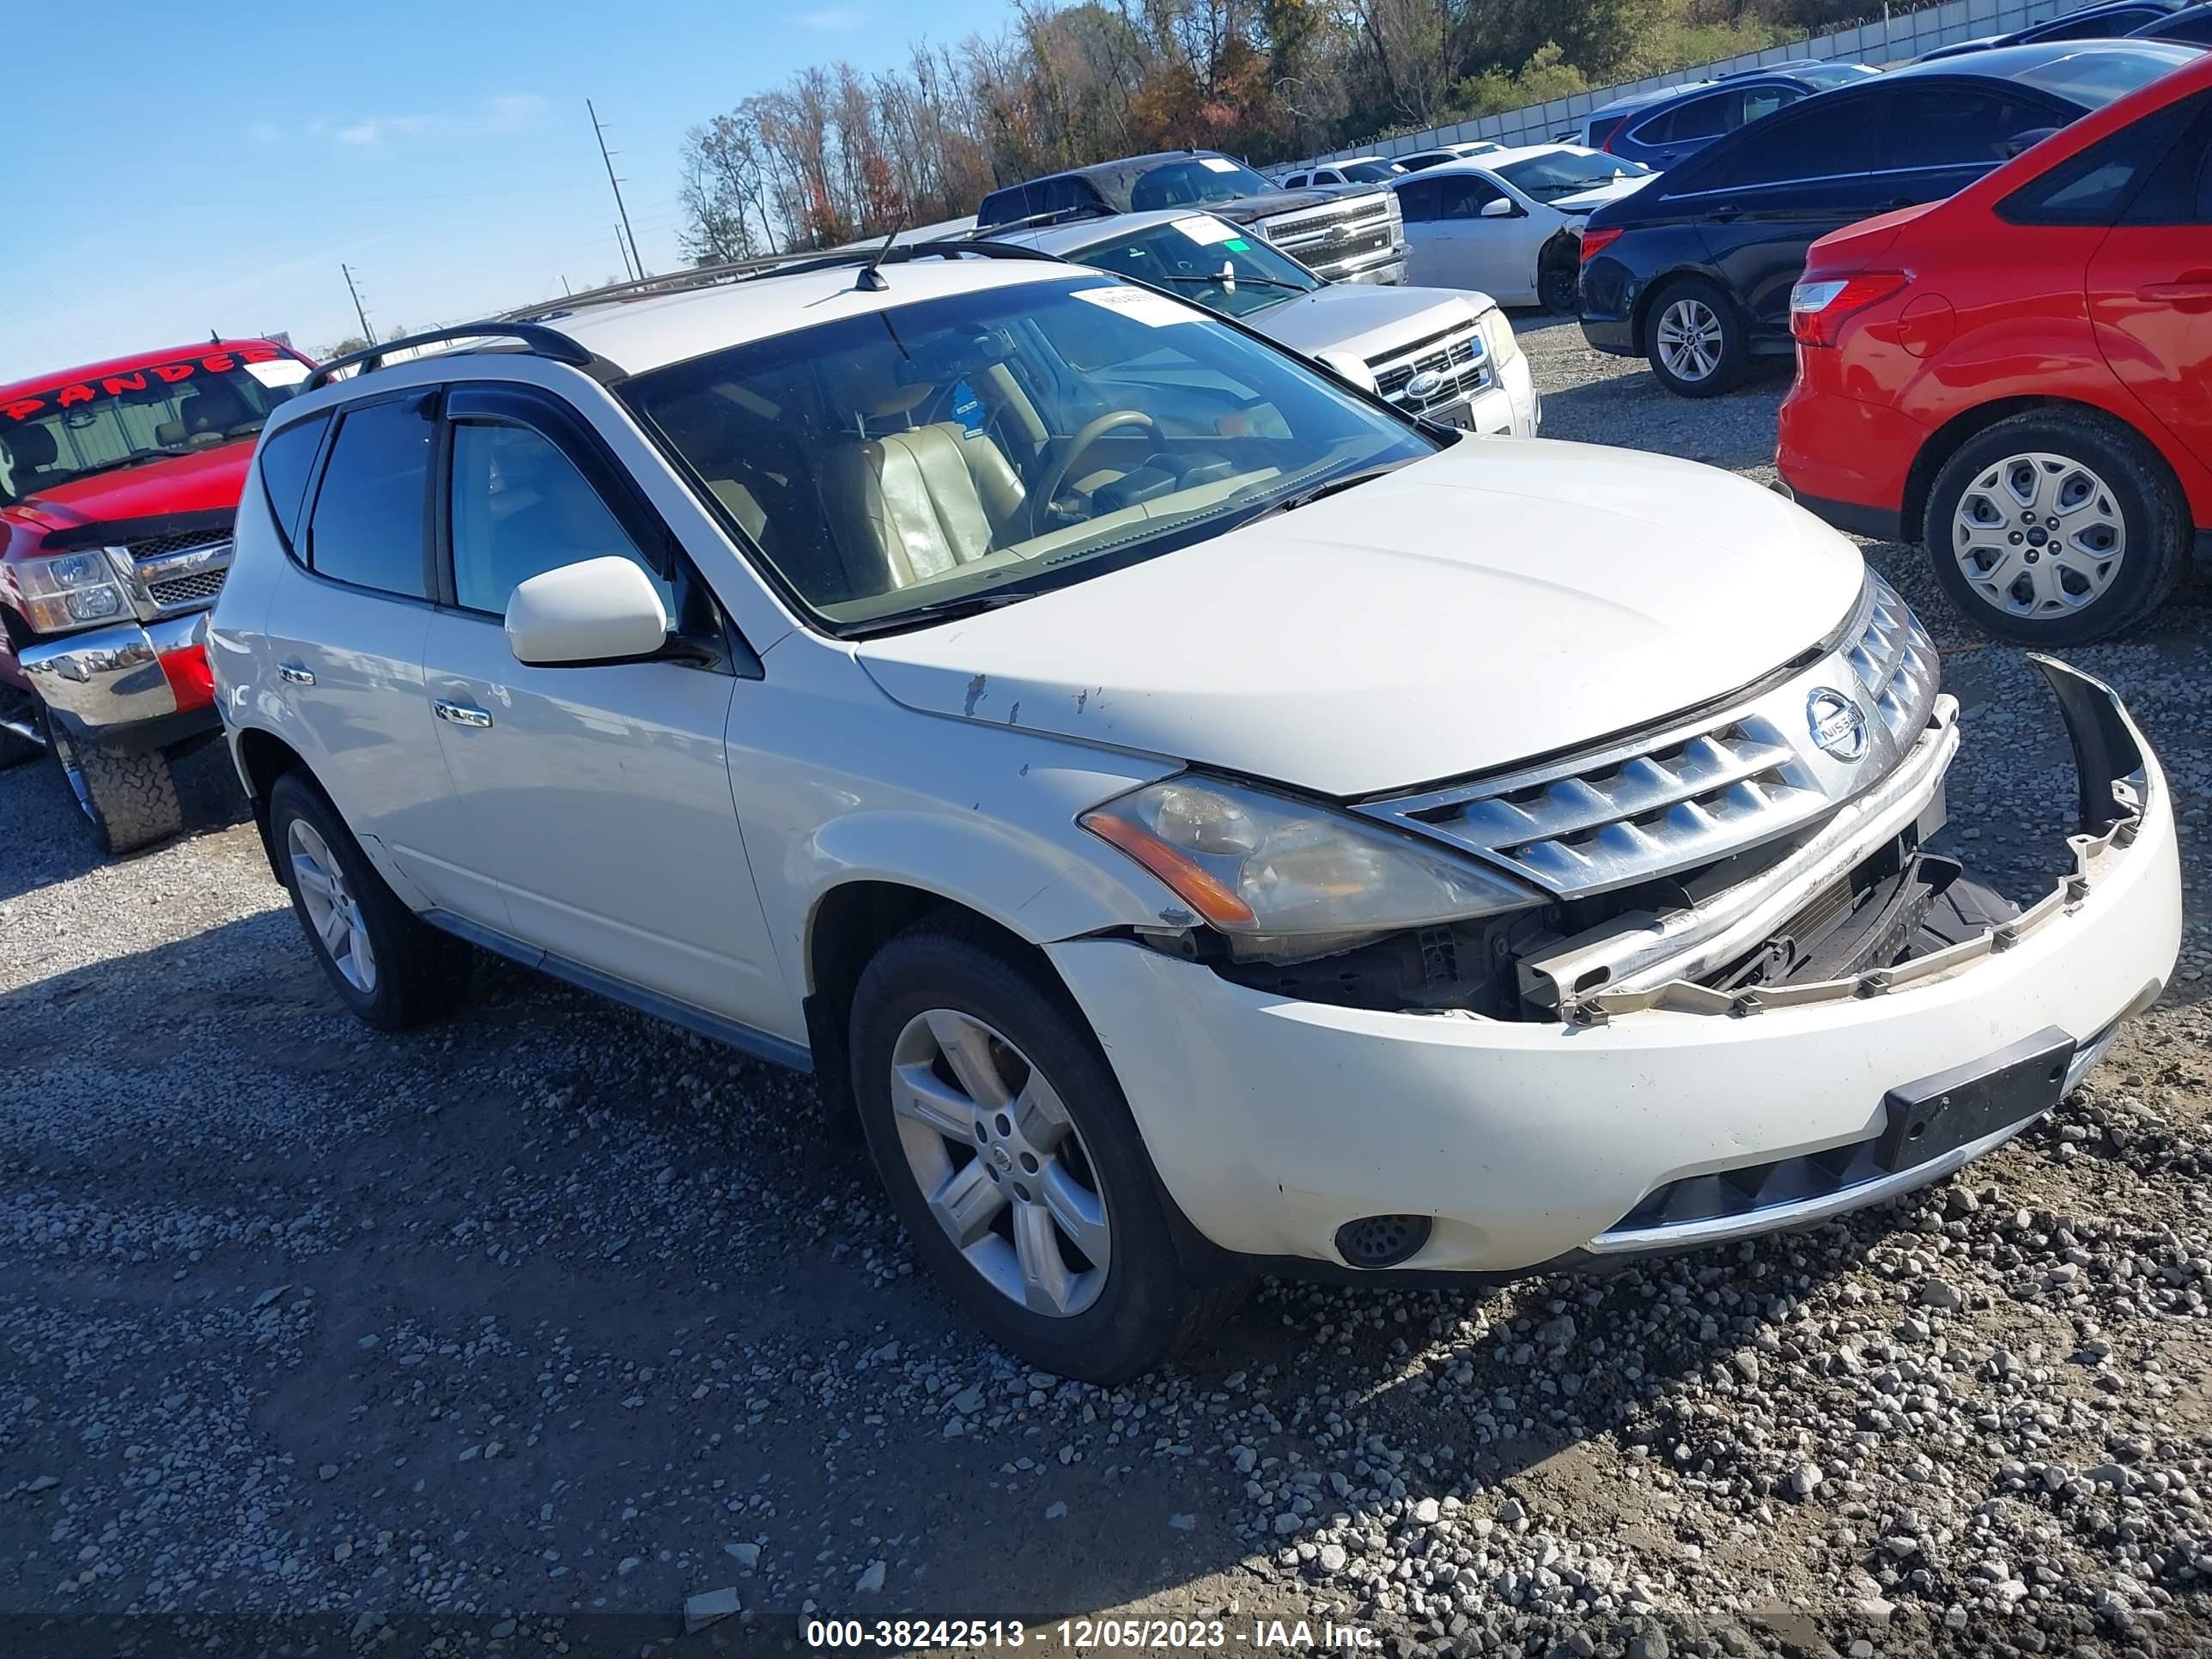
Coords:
127,801
1731,349
2142,496
419,972
1147,1309
1559,281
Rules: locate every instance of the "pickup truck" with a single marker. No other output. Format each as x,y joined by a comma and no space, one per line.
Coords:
118,484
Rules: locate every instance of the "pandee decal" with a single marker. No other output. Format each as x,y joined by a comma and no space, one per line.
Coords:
135,380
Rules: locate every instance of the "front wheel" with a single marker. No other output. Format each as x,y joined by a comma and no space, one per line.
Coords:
1559,282
2055,528
1010,1155
127,801
1696,339
389,966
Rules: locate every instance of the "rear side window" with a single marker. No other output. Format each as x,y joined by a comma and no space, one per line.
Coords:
287,458
1701,117
2179,190
367,527
2104,27
1824,138
1940,126
1002,205
2095,187
1602,128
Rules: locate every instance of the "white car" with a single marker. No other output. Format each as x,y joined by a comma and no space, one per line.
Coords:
1446,355
1510,224
1204,822
1352,170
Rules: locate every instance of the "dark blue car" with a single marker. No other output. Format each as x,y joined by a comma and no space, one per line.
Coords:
1676,128
1694,270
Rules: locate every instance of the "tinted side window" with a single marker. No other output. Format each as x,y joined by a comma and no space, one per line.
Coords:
1602,128
2179,190
520,509
287,457
2095,186
2197,30
1954,126
1464,198
1701,117
1821,140
367,527
1002,205
1761,102
2100,28
1420,200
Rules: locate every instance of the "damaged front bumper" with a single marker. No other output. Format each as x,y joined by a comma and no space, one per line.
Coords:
1668,1113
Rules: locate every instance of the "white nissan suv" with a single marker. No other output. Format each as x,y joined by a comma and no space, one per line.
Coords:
1202,819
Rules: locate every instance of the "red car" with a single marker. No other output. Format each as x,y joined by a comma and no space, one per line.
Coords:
119,483
2020,378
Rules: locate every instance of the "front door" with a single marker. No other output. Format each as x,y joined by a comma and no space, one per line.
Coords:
598,796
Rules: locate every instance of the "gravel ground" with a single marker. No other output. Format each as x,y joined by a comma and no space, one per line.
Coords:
543,1320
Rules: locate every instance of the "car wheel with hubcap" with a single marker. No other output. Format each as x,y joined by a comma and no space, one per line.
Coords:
2055,528
128,801
1559,282
390,967
1695,339
1010,1154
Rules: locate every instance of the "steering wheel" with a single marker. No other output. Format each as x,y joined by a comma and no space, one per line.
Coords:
1056,475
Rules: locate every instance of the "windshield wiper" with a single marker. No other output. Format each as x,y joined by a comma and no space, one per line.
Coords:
1232,282
1327,486
967,605
135,457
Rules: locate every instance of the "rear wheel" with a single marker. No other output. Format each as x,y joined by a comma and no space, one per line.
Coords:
1010,1154
127,801
389,966
1695,339
2055,528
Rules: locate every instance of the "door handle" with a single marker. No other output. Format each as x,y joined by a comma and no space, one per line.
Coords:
460,713
2190,285
1724,212
293,674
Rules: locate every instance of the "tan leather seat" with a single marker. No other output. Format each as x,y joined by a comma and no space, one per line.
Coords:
911,505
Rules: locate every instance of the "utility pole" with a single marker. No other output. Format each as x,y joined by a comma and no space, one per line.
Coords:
366,332
623,248
614,185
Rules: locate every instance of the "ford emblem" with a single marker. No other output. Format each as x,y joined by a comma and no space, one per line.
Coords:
1426,384
1837,725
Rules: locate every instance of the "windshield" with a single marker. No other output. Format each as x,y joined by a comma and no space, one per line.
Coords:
2094,79
1370,172
992,444
1192,180
1564,172
1208,261
74,429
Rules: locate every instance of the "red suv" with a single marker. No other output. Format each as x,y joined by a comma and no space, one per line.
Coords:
118,484
2020,378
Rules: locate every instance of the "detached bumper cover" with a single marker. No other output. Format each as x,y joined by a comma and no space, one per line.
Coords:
1273,1122
128,686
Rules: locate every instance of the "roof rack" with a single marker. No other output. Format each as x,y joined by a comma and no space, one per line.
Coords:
541,342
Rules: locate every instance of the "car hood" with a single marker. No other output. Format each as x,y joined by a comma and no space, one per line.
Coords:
1583,201
1364,319
201,481
1500,600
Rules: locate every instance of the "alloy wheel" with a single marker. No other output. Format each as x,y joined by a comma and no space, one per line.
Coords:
1690,339
332,911
2039,535
1001,1163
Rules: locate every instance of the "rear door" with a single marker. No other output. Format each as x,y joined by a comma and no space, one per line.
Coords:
2150,283
598,796
345,628
1938,135
1765,198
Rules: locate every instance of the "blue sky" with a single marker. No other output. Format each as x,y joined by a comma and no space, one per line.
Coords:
186,167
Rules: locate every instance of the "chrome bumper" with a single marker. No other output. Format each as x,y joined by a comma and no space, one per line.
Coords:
1386,268
109,679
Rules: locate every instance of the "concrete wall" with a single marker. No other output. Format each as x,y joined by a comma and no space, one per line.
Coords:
1903,36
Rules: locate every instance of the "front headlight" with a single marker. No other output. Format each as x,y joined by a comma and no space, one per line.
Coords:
1287,880
68,591
1498,338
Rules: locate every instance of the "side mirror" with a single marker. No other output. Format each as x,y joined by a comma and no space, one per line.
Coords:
596,610
1498,207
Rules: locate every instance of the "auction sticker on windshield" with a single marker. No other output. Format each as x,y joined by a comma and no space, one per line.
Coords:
1206,230
1215,164
1153,310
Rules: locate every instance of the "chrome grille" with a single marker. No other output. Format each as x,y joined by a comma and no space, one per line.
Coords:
1334,233
1686,795
185,589
1895,661
1457,354
155,547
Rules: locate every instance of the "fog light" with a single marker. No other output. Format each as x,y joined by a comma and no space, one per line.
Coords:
1382,1241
